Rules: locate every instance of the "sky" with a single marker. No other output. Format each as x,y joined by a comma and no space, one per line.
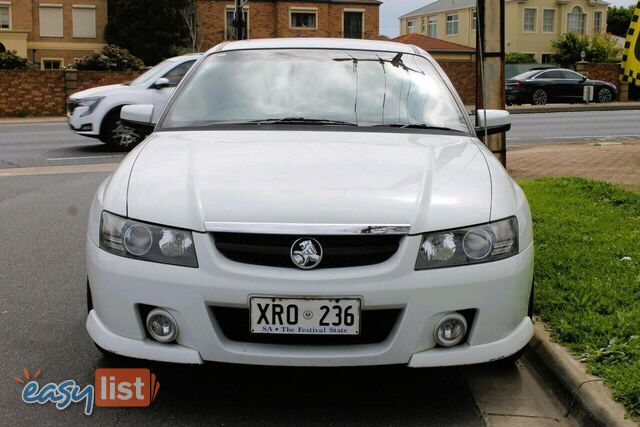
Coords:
392,9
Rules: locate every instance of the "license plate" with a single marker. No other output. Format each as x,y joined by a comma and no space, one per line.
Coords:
302,316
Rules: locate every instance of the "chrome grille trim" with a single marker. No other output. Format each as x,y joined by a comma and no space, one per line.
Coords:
305,229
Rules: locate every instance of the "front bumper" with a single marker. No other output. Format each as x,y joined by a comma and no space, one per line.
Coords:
497,291
88,125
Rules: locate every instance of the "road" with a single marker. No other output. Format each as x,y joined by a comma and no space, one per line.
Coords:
49,144
42,314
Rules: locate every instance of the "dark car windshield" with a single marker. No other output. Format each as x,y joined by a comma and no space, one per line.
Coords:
315,86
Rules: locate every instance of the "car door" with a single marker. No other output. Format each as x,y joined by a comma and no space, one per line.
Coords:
162,94
573,84
551,82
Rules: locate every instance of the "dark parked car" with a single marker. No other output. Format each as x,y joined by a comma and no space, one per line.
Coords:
541,86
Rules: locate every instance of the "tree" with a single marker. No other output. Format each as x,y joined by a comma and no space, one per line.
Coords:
110,58
567,49
519,58
11,61
603,48
619,19
150,29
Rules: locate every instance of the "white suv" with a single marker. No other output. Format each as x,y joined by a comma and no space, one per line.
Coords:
96,112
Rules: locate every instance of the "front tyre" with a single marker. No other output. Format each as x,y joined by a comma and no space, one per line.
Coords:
539,97
117,135
605,95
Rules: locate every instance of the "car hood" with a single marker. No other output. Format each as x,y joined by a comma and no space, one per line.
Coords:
427,181
99,91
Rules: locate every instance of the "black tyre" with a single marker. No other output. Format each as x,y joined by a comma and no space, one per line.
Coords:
539,97
117,135
604,95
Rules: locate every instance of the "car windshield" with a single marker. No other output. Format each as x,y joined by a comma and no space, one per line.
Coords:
314,86
154,73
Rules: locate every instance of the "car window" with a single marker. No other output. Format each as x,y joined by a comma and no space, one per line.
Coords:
526,75
176,75
362,87
553,74
566,74
154,73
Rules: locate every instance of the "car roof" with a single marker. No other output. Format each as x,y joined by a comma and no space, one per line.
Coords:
316,43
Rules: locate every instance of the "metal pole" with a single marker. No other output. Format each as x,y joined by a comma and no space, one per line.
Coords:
490,49
238,20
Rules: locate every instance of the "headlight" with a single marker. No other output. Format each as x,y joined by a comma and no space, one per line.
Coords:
134,239
90,103
470,245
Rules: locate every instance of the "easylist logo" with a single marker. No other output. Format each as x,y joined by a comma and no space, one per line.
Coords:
125,387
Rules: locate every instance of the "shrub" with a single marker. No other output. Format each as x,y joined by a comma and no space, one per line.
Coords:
603,48
110,58
11,61
520,58
567,49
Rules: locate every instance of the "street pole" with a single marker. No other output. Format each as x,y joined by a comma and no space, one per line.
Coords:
490,78
238,20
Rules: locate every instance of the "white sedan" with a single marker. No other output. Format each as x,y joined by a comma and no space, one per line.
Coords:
312,202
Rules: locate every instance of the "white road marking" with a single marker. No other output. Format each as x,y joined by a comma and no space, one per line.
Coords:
56,170
116,156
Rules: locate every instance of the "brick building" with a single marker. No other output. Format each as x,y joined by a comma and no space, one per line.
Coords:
52,33
279,18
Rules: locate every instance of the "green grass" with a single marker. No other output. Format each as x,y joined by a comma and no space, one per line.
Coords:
587,290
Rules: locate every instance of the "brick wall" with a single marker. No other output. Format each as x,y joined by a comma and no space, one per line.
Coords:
268,19
463,76
42,93
607,72
34,93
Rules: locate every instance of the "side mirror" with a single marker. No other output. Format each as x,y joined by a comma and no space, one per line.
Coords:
137,115
497,121
161,82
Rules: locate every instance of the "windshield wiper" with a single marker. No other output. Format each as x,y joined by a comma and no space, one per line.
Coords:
302,120
418,126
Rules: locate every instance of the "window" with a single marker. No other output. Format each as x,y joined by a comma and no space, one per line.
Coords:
303,19
597,22
452,24
84,21
411,26
433,26
547,58
5,16
554,74
50,64
176,75
51,20
575,20
572,75
529,22
549,20
424,25
230,30
353,24
474,20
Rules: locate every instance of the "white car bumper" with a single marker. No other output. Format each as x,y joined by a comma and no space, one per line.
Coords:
496,292
88,125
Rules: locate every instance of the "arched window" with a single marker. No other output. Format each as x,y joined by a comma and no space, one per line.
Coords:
575,20
2,48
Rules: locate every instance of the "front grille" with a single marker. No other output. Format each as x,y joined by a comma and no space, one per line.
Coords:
338,251
375,327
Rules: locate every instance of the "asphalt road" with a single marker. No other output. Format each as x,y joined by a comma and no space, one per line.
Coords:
49,144
42,314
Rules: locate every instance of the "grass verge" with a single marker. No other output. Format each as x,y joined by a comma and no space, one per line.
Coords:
587,272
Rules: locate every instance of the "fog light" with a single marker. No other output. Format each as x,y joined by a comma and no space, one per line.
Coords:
161,325
450,330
